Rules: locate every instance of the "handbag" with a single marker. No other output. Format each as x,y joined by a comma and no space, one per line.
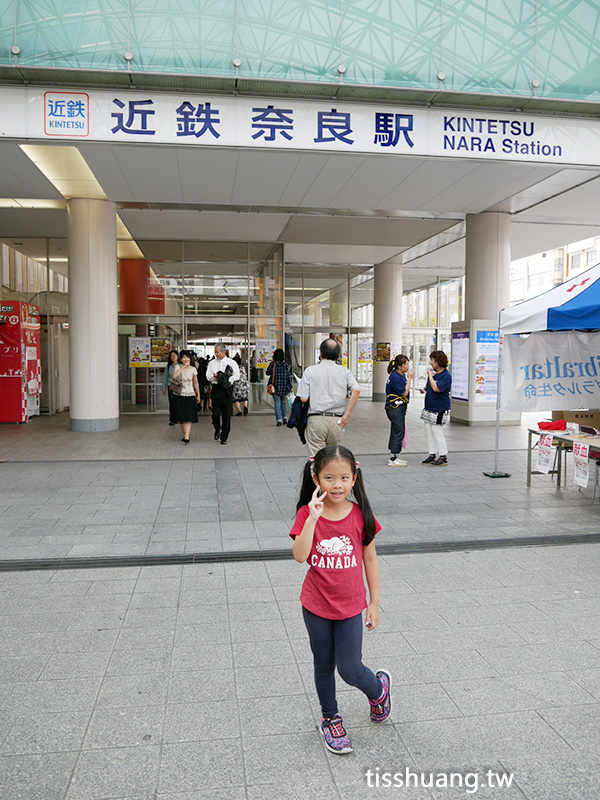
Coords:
271,385
176,387
434,417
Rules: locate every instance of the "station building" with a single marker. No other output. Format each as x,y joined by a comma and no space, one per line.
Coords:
267,174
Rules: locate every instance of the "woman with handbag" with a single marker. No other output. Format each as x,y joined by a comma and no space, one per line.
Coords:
279,386
173,361
437,408
240,389
186,394
397,395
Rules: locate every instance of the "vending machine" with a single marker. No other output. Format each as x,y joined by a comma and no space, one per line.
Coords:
20,364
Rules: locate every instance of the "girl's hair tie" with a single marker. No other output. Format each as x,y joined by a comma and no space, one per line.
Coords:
357,464
311,459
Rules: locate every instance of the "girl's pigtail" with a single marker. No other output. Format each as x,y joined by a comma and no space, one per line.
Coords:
362,501
307,488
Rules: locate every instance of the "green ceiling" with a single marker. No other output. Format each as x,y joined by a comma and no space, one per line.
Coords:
488,47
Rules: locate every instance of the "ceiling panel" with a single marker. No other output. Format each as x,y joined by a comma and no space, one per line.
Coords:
581,203
374,179
427,181
399,233
103,162
211,225
336,171
152,174
526,239
20,178
338,254
305,173
487,185
18,222
207,175
261,177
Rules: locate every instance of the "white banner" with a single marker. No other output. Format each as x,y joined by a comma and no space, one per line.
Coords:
544,453
193,119
581,454
548,371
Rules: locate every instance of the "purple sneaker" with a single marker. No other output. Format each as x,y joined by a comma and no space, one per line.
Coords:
334,733
381,708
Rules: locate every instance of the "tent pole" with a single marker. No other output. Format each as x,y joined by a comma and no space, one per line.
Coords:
495,473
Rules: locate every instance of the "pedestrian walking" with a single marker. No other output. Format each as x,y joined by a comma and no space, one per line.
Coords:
325,387
172,363
221,373
240,389
279,386
186,394
336,537
397,396
436,412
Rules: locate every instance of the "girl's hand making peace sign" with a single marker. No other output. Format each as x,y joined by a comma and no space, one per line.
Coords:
315,507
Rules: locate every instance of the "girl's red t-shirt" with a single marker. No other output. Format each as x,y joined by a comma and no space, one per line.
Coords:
334,587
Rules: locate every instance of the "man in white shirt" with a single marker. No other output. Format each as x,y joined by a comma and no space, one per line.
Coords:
325,387
222,372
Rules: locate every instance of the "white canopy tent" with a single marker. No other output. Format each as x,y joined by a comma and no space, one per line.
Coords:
557,365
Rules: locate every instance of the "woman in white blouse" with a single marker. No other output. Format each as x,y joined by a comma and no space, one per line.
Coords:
185,403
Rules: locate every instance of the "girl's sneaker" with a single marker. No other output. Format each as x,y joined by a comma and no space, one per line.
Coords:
380,709
334,733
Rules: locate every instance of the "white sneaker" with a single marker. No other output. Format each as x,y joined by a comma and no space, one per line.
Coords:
397,462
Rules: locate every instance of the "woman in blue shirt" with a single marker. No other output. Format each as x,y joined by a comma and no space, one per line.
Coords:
172,365
397,395
437,408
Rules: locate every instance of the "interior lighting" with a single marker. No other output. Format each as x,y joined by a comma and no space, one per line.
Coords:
66,169
15,50
128,55
237,62
441,76
536,83
341,69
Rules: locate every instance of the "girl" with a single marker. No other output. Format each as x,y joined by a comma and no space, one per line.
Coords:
336,536
397,395
437,408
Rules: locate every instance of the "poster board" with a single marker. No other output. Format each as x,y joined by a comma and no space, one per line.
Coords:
460,365
264,352
140,351
487,350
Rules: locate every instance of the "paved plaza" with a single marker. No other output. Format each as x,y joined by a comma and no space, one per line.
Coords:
194,681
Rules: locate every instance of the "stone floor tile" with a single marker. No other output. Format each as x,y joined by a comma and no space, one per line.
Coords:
36,732
118,772
41,775
189,766
124,727
449,742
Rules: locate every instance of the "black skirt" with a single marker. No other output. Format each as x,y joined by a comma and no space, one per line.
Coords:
185,408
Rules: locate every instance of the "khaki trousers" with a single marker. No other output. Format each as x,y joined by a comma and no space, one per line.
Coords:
321,432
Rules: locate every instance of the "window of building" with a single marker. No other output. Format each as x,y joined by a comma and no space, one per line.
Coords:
590,257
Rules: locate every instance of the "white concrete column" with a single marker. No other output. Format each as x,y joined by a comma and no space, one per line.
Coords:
487,265
387,318
93,316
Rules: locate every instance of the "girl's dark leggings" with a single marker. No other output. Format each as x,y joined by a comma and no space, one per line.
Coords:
338,643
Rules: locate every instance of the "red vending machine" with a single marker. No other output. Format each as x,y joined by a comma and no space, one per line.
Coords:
20,365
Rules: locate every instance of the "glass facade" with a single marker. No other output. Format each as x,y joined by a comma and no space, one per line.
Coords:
481,47
197,294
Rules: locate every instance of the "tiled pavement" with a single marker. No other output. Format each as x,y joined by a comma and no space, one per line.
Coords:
121,504
194,682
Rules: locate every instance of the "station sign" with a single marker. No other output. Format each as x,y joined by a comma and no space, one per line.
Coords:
292,124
